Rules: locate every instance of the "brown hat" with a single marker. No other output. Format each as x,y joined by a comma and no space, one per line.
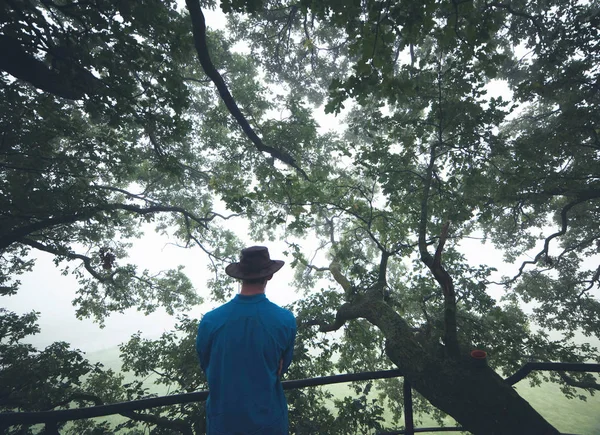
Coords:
255,263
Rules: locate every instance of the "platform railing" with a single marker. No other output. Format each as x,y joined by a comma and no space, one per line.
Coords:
52,418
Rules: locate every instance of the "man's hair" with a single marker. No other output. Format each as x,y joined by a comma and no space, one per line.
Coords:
255,280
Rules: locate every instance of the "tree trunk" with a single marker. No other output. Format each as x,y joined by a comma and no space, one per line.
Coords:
477,397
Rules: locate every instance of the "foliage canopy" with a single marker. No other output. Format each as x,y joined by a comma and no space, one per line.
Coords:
118,114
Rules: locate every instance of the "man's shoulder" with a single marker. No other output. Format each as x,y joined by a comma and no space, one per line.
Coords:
218,312
283,313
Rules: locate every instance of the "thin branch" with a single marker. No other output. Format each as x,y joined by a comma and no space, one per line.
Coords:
595,279
377,34
311,44
544,252
164,375
521,14
193,79
141,197
582,244
87,261
316,268
79,397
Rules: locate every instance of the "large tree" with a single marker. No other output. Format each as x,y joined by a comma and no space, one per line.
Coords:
110,117
428,159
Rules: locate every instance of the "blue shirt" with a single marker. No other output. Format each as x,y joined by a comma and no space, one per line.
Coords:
240,345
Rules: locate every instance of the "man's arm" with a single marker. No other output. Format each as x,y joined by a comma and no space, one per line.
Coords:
286,359
203,344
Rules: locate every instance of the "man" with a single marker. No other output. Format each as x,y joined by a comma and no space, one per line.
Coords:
244,347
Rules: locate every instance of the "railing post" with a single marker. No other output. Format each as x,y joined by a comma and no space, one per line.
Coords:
408,409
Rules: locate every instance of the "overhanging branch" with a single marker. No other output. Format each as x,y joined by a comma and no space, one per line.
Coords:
15,235
199,31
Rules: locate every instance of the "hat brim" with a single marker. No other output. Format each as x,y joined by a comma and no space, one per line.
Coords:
235,271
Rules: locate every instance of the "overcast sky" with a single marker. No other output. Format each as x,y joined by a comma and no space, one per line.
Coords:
46,290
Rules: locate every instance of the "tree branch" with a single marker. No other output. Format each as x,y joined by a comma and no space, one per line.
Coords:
348,311
521,14
579,384
544,252
199,31
316,268
425,255
382,277
80,397
17,234
166,423
336,272
87,261
434,264
444,279
72,85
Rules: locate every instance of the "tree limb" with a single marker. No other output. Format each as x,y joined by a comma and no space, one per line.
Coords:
382,277
199,31
316,268
336,272
544,252
579,384
444,279
72,85
17,234
434,264
87,261
348,311
166,423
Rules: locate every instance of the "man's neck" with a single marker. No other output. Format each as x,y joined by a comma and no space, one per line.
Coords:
252,289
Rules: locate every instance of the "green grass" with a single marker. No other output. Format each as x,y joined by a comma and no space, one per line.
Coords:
568,416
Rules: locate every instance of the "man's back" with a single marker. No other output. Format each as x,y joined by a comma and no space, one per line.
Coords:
241,345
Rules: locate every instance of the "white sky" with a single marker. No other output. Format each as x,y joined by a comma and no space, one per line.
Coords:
47,291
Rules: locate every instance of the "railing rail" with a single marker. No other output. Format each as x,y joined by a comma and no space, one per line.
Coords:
9,419
51,418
